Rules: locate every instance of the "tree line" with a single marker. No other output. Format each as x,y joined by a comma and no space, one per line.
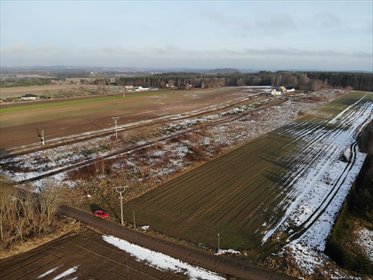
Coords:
298,80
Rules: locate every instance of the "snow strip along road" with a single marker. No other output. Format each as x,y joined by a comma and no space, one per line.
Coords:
161,261
178,252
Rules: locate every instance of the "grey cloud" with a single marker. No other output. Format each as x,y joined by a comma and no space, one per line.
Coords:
225,21
276,23
170,50
117,51
328,20
46,49
269,24
299,53
169,55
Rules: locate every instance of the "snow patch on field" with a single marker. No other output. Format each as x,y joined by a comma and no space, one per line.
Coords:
318,184
145,228
161,261
66,273
365,241
47,272
227,252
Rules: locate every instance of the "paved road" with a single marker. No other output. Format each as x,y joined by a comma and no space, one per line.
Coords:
220,264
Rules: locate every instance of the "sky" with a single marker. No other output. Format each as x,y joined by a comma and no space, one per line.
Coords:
258,35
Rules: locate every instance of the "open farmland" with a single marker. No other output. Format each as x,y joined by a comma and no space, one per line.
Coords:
277,183
19,123
83,256
46,90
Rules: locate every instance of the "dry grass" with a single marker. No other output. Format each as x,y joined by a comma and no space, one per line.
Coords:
66,226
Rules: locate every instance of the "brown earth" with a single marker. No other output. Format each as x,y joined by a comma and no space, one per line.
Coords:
19,123
6,92
95,259
238,268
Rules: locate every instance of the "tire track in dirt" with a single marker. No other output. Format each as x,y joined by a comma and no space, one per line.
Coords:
305,225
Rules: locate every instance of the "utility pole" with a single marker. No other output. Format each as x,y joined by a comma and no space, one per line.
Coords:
218,242
42,137
121,190
116,126
134,218
124,90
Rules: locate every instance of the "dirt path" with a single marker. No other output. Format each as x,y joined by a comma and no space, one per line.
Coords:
223,265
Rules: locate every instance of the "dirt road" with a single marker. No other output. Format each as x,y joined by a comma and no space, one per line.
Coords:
220,264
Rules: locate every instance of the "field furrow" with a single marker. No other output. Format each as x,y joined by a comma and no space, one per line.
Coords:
268,185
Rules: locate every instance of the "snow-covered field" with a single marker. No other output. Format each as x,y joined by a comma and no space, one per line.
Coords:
365,241
319,182
161,261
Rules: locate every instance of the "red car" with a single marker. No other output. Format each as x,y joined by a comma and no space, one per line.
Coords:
102,214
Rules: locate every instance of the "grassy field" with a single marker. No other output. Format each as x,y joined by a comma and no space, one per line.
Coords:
233,195
18,122
47,90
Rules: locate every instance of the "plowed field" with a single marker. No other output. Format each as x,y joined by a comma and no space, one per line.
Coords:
83,256
19,122
238,194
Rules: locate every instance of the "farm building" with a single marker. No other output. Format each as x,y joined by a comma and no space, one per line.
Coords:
274,92
281,90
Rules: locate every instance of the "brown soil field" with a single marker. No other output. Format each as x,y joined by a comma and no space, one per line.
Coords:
230,267
19,123
232,195
95,259
235,195
47,90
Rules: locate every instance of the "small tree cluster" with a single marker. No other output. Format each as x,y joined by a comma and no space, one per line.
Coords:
24,214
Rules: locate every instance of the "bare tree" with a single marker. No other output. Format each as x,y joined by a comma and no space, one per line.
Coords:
23,213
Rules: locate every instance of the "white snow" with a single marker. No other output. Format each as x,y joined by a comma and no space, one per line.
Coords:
227,252
47,272
161,261
319,183
365,241
319,178
66,273
305,257
145,228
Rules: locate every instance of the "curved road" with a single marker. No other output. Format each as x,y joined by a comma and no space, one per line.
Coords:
225,266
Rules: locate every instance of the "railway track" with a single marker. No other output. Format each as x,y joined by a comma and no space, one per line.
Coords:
133,148
53,143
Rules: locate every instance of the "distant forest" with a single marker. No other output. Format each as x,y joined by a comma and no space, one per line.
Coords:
298,80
